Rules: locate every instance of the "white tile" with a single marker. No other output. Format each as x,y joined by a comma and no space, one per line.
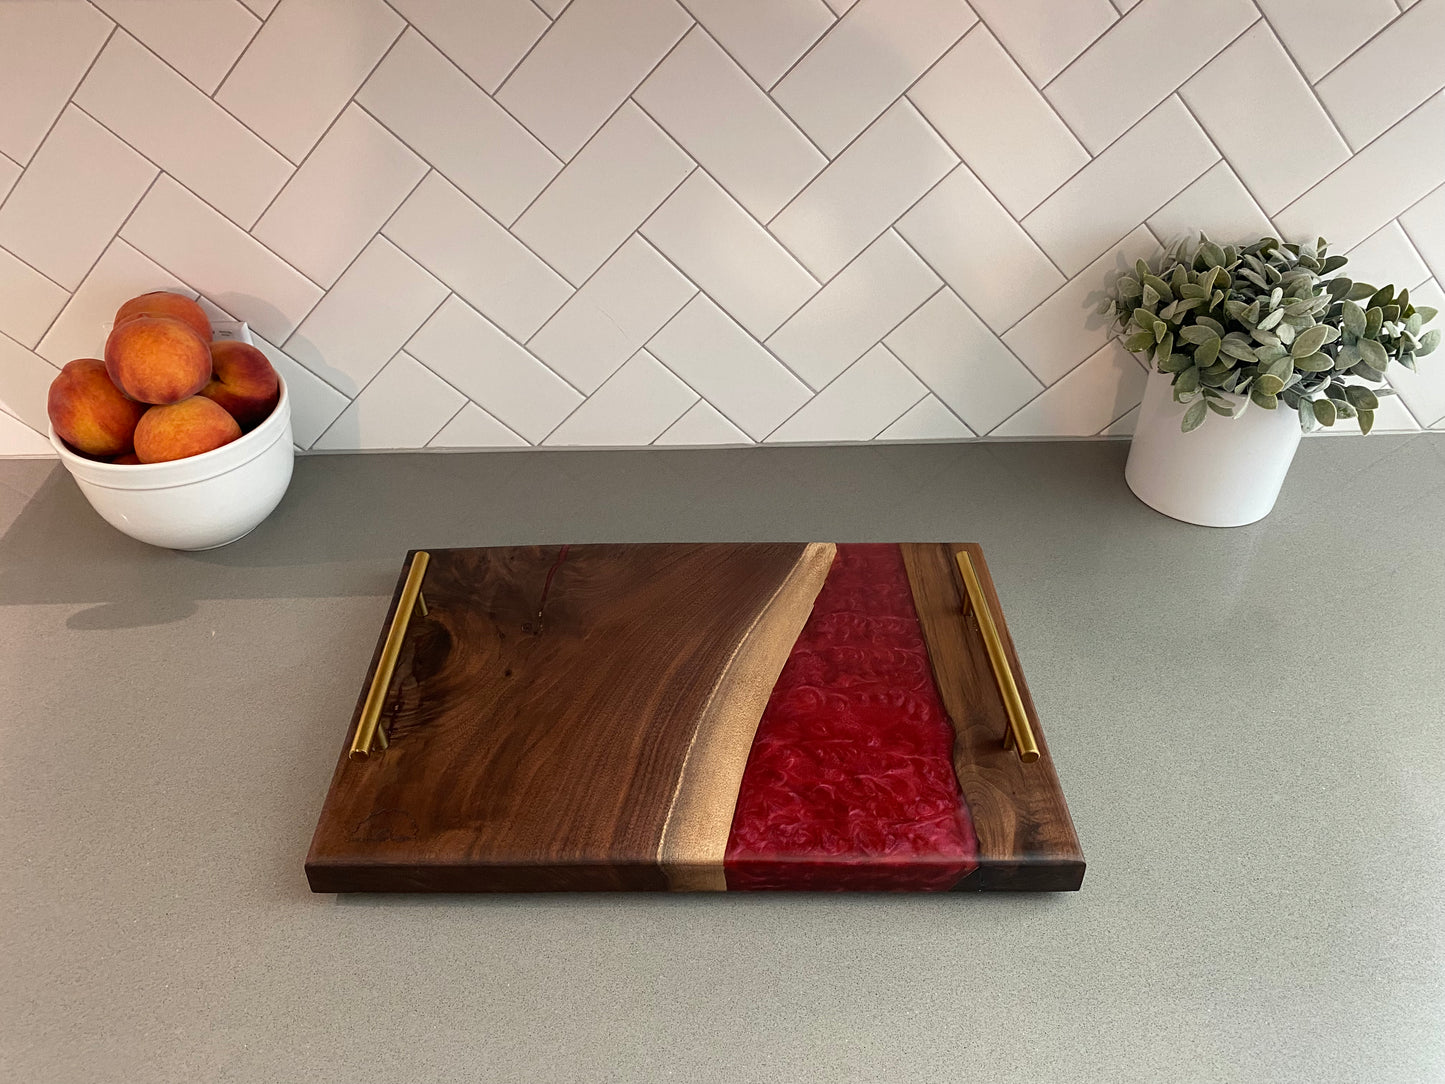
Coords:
1423,392
728,367
1217,204
963,362
455,240
473,427
437,111
373,309
710,106
344,192
870,57
863,191
1122,427
186,237
610,318
635,406
928,420
9,174
1388,76
493,371
1321,33
702,425
765,36
405,406
201,39
323,49
1099,105
1425,225
981,252
553,7
840,7
18,439
869,397
1275,161
619,178
863,303
1125,6
998,123
120,274
1103,388
592,58
1067,328
1143,170
1045,35
45,48
1388,176
315,404
72,198
28,300
178,128
262,8
721,247
25,379
1388,256
485,38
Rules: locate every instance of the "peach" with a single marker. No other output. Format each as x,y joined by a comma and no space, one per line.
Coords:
243,382
157,359
187,428
129,457
164,303
89,412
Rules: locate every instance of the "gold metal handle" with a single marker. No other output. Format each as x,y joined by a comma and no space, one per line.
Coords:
1018,729
370,735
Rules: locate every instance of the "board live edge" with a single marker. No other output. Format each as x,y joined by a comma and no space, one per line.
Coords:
695,717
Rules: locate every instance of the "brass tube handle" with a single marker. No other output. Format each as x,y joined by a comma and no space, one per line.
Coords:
1019,730
369,733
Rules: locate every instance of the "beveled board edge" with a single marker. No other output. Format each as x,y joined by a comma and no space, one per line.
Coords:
1026,838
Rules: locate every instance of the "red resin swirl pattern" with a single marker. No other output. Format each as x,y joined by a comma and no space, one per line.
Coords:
850,782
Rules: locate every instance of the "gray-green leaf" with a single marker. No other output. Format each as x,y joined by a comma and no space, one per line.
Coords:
1309,341
1353,317
1324,411
1373,354
1428,342
1367,420
1194,416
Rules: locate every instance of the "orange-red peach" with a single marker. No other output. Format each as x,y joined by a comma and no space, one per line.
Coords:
157,359
187,428
164,303
129,457
242,381
89,412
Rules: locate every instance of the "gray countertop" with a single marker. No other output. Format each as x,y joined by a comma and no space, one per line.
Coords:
1247,723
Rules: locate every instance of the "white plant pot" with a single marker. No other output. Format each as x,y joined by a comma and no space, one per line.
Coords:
1226,473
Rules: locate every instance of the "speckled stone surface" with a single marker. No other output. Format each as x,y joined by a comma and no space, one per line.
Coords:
1248,724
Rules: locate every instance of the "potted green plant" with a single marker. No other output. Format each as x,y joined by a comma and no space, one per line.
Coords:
1263,342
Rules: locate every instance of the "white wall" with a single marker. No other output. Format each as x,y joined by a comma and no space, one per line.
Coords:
622,222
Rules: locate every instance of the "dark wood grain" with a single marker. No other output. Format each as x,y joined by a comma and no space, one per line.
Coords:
532,754
1025,834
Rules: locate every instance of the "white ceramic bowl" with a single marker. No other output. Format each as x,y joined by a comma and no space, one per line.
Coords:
197,503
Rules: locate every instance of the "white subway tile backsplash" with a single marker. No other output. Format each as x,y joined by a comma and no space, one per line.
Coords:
473,427
1217,204
9,174
373,309
45,48
24,383
334,204
76,192
404,406
151,107
326,46
929,419
998,122
728,368
1105,387
315,404
473,355
870,396
1389,256
963,362
863,303
609,319
591,59
1100,106
636,405
477,258
720,117
261,8
438,112
608,189
864,191
1045,35
1424,227
553,8
485,38
18,439
1321,33
1137,175
981,252
861,66
765,36
28,300
201,39
702,425
718,245
1391,74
